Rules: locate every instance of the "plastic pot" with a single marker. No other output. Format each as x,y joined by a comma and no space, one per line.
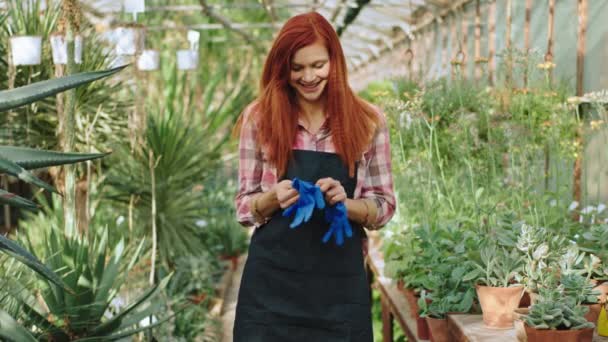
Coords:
26,50
187,59
59,49
148,60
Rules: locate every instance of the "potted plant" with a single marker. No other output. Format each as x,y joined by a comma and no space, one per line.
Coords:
542,252
496,272
556,317
59,48
449,296
25,33
148,60
582,291
129,39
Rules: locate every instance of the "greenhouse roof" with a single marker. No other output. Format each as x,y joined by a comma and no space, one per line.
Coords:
367,27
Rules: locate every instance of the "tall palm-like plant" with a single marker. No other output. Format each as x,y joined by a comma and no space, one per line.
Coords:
187,149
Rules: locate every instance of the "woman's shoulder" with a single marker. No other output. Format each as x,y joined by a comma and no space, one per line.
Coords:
377,111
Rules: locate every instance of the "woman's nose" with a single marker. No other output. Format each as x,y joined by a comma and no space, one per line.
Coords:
309,75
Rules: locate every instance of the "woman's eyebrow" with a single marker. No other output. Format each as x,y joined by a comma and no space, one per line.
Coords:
315,62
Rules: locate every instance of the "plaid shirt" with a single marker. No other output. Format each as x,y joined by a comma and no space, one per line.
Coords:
374,178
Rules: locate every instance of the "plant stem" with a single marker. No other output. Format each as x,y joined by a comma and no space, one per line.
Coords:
69,206
154,237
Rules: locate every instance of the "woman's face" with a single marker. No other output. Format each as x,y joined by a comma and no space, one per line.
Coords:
309,71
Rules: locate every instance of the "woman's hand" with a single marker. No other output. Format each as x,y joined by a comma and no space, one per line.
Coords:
285,193
333,190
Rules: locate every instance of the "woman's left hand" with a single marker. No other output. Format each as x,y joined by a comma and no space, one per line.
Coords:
333,190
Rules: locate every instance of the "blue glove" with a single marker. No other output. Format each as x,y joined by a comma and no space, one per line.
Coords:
310,197
340,226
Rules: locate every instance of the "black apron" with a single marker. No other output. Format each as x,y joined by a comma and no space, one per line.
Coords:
296,288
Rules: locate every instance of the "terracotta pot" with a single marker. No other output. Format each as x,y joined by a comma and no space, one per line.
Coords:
438,327
518,322
593,313
198,298
524,302
422,327
547,335
234,260
497,305
411,298
603,289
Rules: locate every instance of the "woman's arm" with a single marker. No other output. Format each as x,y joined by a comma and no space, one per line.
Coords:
377,187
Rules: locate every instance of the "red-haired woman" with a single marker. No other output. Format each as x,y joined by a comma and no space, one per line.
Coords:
308,123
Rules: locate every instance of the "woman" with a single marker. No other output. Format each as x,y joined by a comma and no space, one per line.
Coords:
307,123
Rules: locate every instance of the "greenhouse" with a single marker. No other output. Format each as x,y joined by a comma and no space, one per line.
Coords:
304,170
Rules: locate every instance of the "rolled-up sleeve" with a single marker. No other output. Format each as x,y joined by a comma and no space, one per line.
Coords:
250,170
378,182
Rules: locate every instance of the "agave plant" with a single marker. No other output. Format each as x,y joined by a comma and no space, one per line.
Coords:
95,271
93,275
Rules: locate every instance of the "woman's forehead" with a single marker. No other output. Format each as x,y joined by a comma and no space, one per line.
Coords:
310,54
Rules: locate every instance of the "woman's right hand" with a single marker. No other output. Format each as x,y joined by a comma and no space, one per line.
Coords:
285,193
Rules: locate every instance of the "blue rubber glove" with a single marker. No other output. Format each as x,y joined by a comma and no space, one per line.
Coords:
310,197
340,226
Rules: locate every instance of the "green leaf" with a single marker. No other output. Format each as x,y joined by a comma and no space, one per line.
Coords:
13,331
13,169
15,250
478,194
116,321
17,97
474,274
29,158
16,201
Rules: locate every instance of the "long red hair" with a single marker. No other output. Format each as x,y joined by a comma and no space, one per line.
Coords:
352,122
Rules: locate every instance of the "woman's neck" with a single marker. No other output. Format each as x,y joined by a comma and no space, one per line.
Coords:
312,111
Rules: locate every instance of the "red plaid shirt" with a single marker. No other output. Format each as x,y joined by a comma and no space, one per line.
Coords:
374,178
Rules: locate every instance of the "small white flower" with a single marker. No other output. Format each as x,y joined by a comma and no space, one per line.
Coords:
389,234
201,223
120,220
573,206
601,207
553,203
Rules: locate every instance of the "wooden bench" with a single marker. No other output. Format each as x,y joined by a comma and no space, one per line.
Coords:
462,328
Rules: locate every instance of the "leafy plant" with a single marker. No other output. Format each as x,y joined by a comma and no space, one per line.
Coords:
580,288
496,266
555,310
446,291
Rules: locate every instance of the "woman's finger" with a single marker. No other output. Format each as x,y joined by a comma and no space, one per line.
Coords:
289,202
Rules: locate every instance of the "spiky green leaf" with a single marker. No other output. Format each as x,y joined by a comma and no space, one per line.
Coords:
15,250
16,201
29,158
17,97
7,166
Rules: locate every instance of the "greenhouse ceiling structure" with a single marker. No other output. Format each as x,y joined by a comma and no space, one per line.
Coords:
367,27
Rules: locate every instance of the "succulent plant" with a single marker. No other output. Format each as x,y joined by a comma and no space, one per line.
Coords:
558,311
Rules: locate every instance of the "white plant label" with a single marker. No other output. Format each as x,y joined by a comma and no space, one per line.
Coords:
194,37
187,59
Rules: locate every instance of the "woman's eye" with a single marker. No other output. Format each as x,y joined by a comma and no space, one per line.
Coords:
319,66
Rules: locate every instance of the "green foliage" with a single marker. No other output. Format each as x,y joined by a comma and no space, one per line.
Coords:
95,271
579,288
448,292
495,266
555,310
13,98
